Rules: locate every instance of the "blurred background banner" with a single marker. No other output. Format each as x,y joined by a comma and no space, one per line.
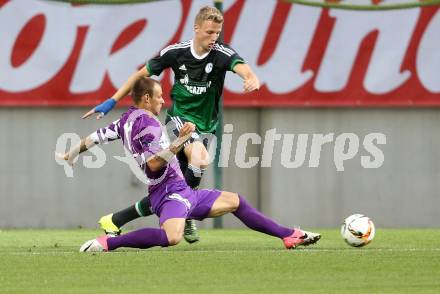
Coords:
61,54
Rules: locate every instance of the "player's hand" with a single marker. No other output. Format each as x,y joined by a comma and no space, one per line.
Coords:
187,129
251,84
64,156
102,109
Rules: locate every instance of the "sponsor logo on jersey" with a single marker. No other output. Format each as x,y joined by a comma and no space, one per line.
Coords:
195,90
208,67
182,67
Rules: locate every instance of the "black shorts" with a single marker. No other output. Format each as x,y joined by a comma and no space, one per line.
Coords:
173,126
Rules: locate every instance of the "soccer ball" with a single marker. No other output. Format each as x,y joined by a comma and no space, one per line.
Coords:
357,230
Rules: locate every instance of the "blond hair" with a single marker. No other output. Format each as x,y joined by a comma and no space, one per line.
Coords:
209,13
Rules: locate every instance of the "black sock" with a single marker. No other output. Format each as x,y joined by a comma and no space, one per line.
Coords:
183,161
193,176
183,166
141,208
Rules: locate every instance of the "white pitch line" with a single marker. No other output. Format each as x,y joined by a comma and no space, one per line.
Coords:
302,250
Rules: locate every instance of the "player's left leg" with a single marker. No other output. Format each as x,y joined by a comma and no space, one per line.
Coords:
244,211
255,220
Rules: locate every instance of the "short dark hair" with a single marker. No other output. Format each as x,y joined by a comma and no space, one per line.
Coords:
142,86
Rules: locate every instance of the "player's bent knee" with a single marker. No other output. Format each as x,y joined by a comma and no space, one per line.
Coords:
205,159
174,238
234,201
230,201
197,155
174,230
202,164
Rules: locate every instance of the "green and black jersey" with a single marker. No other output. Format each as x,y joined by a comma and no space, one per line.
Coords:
198,80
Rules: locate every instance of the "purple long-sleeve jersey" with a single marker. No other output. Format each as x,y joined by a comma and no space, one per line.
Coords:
143,136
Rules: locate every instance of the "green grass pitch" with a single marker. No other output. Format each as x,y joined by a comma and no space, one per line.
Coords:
225,261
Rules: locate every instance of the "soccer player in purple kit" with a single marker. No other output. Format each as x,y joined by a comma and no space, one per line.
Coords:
172,200
199,67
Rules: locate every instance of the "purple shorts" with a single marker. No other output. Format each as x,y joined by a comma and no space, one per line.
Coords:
184,203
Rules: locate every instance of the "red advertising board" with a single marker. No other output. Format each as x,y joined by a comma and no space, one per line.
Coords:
57,54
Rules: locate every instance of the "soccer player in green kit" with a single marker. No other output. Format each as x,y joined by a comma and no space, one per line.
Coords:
199,67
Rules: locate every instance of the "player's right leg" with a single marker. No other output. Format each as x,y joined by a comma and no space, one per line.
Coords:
112,223
172,220
174,229
142,239
196,161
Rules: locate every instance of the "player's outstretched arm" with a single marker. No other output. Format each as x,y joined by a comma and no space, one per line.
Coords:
250,79
160,159
105,107
103,135
84,145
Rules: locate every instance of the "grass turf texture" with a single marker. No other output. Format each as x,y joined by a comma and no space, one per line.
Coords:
225,261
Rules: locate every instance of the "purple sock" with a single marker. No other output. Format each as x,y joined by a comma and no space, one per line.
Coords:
143,239
258,221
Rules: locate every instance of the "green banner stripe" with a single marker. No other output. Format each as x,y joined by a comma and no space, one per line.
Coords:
348,6
352,6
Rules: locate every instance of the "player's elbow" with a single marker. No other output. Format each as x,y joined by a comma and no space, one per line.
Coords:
143,72
153,166
155,163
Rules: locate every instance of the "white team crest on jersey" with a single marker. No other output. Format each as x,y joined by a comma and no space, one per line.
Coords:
208,67
182,67
185,80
